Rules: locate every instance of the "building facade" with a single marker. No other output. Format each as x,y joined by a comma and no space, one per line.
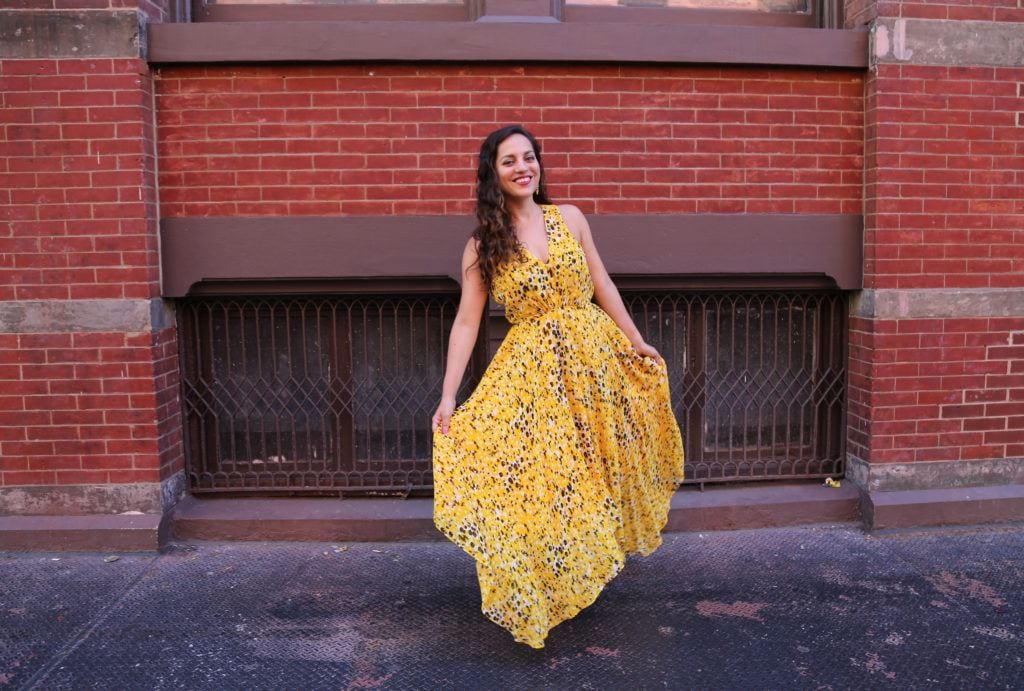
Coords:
228,258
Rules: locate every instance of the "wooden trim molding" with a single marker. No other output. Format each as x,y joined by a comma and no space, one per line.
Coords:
687,15
826,14
224,255
463,41
330,12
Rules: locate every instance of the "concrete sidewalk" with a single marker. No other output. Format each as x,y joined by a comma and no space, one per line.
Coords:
811,607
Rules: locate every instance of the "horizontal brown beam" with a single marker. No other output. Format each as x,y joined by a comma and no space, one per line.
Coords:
313,12
210,255
81,533
505,41
685,15
492,10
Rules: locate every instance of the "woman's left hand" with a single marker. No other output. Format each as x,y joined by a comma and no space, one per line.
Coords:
647,350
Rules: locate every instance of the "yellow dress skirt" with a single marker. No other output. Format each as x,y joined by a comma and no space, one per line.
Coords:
566,455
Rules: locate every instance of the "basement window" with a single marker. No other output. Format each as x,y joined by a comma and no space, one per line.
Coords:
334,394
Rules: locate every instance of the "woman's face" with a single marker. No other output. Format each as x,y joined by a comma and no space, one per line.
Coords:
517,167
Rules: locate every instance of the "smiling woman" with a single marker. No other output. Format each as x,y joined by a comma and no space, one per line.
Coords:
510,174
564,458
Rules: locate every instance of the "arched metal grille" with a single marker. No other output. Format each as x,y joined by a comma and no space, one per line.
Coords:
335,394
758,380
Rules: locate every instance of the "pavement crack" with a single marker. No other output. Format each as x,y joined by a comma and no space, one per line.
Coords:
85,630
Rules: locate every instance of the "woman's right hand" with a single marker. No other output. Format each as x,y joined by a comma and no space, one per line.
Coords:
443,415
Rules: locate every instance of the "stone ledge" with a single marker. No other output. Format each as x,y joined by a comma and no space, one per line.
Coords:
934,507
372,520
45,33
735,507
925,475
295,519
722,507
79,316
937,303
946,42
95,533
90,500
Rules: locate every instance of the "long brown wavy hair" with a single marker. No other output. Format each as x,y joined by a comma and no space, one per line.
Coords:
495,235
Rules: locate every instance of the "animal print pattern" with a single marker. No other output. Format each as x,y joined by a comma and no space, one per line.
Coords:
565,457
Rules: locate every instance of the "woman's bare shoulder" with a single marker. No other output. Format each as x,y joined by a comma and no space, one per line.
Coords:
574,219
570,210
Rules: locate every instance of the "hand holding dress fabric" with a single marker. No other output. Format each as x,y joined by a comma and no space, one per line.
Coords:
566,455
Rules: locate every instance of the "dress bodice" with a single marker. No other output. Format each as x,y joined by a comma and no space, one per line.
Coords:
529,288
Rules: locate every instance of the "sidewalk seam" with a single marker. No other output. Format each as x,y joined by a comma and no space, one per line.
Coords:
85,630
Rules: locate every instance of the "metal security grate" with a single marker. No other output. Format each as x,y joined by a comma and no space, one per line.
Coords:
313,394
335,394
758,379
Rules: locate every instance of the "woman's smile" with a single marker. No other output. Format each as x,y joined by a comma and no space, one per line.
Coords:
517,167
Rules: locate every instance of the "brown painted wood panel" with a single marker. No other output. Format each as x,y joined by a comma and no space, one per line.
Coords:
504,41
669,15
331,254
819,13
347,12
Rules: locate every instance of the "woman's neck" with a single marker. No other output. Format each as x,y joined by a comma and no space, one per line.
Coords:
523,211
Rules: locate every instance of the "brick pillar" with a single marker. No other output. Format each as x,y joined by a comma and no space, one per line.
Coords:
89,420
937,336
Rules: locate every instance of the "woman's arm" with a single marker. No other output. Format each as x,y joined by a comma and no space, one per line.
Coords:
463,335
604,290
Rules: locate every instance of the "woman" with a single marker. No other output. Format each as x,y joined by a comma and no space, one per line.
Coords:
565,457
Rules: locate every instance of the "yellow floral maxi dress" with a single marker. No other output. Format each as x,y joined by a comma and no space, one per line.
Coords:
565,457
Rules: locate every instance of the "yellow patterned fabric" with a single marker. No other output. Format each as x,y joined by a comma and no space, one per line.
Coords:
565,457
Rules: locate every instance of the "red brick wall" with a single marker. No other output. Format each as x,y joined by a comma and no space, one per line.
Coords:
943,210
937,389
81,408
941,198
861,12
943,204
78,204
78,192
379,139
983,10
166,389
